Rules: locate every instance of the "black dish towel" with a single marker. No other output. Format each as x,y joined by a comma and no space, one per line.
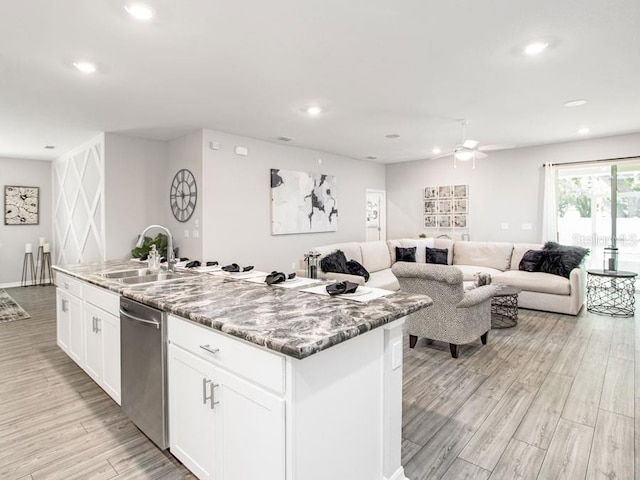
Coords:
275,277
342,287
234,267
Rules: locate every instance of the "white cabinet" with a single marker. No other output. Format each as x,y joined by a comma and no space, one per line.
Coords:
102,338
222,426
191,423
70,335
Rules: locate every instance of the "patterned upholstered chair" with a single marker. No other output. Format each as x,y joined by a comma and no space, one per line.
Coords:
456,317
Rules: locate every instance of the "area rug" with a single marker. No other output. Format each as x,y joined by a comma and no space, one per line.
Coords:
10,310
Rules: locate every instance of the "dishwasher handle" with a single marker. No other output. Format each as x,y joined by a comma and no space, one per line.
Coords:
138,319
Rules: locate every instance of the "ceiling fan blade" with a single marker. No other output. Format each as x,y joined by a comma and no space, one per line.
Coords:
442,155
470,144
489,148
479,155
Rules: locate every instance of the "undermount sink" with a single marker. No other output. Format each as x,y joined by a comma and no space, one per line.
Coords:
152,277
138,272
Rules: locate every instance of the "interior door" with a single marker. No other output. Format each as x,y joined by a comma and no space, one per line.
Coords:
375,215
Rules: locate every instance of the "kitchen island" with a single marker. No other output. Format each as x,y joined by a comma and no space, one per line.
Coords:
305,386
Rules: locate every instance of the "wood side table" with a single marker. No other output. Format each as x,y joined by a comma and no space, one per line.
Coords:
611,292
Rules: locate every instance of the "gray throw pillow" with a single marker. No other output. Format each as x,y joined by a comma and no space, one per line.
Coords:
438,256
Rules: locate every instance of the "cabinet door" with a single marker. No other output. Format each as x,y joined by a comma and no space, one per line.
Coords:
93,342
62,320
110,326
250,431
191,417
76,330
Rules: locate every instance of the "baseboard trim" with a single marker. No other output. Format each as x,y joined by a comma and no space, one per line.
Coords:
398,475
10,285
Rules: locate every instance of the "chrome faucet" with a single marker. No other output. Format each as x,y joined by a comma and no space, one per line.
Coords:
171,259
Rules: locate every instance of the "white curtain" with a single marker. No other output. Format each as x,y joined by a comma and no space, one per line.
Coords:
550,205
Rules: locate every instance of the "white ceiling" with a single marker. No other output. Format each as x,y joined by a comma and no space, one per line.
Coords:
377,67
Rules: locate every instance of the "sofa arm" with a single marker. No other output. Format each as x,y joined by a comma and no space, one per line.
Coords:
341,277
476,296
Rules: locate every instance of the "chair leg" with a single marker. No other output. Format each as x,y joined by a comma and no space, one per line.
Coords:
484,336
454,350
413,339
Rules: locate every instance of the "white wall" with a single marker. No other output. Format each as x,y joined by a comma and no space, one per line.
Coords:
506,187
237,202
136,189
30,173
186,152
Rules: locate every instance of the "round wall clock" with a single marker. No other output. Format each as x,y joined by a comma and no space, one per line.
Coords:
183,195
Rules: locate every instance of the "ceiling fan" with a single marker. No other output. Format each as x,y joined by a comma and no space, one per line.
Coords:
469,149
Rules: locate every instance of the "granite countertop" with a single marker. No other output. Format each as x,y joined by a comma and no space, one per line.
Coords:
294,323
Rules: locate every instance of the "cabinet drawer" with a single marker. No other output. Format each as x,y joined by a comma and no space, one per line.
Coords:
69,284
102,298
254,363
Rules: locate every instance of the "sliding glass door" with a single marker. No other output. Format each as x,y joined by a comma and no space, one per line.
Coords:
599,206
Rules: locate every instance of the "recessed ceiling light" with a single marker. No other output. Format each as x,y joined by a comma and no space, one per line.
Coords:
282,138
85,67
575,103
372,157
535,48
49,147
392,135
584,130
139,11
436,150
314,110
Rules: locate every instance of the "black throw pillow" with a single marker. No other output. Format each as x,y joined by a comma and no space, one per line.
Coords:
335,262
531,261
406,254
355,268
561,259
439,256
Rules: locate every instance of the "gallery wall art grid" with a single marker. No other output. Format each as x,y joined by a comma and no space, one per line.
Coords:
446,206
303,202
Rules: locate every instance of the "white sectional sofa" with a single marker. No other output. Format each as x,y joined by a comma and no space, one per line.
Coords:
540,291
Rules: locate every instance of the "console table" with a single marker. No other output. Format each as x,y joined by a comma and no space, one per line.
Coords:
611,292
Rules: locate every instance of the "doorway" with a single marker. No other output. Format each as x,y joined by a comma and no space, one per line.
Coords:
376,217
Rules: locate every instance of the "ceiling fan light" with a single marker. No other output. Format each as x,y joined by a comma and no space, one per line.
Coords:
463,155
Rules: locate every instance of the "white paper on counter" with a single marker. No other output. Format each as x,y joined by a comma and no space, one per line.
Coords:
362,294
297,282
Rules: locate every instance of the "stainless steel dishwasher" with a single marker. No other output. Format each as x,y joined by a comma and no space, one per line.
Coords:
144,369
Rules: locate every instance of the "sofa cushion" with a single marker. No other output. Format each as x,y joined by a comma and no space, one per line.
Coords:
448,244
405,254
351,250
437,255
334,262
535,282
531,261
519,250
561,259
375,256
483,254
383,279
355,268
468,271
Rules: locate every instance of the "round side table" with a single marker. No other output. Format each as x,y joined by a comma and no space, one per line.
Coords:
611,292
504,307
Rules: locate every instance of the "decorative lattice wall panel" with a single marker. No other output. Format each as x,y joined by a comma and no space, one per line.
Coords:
78,186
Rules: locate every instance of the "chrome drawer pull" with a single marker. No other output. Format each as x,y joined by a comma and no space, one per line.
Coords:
213,351
204,390
212,386
97,323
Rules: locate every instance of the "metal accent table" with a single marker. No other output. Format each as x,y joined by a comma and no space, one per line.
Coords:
611,292
504,307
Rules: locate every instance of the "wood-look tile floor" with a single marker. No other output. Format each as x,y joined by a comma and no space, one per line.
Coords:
553,398
55,422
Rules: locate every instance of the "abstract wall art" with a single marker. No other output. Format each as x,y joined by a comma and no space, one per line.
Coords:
21,205
446,206
303,202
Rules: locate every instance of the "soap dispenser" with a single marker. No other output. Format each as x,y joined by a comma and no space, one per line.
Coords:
153,259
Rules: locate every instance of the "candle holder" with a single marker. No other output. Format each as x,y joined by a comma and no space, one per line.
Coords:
311,260
610,262
28,267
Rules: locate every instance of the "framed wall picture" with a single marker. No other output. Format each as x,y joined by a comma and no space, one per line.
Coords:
444,221
430,193
460,191
459,221
445,191
21,205
430,221
430,206
445,206
460,205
